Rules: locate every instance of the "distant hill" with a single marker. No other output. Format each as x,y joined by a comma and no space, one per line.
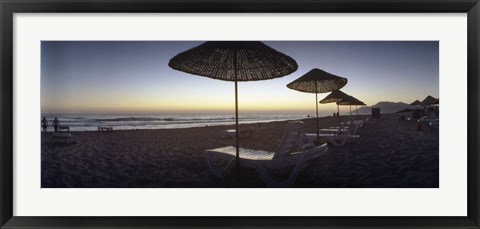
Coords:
385,107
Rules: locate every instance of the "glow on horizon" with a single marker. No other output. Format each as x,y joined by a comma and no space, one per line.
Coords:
133,77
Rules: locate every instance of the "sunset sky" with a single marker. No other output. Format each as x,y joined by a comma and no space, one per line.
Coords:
134,77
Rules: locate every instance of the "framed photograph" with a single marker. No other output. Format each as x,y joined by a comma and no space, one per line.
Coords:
239,114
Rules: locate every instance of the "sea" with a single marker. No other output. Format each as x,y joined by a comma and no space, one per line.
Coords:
90,122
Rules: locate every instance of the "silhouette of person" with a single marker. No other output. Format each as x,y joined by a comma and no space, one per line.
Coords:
44,124
56,123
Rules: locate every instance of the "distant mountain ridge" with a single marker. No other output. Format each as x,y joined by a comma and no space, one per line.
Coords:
385,107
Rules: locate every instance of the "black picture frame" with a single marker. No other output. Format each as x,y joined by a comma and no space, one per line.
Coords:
9,7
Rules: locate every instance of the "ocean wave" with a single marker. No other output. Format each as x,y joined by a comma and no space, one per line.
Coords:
130,119
119,122
151,119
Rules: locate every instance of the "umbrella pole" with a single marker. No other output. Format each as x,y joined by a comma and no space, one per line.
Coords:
428,112
338,114
316,103
236,124
236,112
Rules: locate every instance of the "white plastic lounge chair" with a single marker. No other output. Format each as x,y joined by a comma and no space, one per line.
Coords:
242,133
61,137
338,131
351,127
105,128
63,128
345,128
336,139
291,152
425,119
431,122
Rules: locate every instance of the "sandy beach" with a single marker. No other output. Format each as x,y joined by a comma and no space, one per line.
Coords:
390,153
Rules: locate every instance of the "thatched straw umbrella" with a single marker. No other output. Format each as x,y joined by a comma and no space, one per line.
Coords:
317,81
335,97
415,103
234,61
429,100
352,101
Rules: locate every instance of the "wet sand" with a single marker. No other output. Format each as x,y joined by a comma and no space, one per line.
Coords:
389,153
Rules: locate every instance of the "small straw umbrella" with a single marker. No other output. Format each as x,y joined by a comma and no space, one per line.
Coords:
352,101
234,61
335,97
415,103
429,100
317,81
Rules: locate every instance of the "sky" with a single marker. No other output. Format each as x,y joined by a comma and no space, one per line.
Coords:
134,77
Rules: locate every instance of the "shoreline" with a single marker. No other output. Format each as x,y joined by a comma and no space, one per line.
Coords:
50,130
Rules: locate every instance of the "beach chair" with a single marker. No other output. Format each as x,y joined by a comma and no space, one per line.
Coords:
63,128
62,137
339,130
291,152
105,128
242,133
353,124
339,138
433,123
349,128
